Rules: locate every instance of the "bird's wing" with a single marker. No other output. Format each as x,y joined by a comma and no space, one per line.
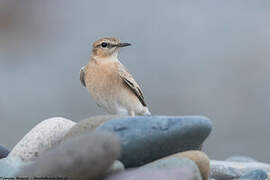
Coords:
82,76
131,83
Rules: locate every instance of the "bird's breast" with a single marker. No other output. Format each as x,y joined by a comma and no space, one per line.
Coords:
102,80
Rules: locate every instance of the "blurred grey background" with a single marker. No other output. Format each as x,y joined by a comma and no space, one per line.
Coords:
208,58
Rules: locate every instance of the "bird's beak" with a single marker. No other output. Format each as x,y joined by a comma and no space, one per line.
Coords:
123,44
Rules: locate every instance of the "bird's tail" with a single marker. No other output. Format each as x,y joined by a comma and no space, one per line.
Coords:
146,112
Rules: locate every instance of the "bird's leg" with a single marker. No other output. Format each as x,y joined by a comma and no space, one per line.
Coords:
131,113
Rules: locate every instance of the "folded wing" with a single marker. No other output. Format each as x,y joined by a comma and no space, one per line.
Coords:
129,81
82,76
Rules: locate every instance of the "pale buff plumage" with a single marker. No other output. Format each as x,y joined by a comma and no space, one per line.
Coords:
109,82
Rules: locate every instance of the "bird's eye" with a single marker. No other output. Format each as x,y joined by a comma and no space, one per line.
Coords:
104,44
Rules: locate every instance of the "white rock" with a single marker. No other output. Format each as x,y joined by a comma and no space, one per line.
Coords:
41,138
241,165
116,167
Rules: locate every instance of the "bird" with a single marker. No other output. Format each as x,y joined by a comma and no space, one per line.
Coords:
109,82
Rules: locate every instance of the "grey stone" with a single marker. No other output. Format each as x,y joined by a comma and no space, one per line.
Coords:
41,138
154,174
10,166
175,162
88,124
240,159
257,174
232,170
3,151
83,157
148,138
200,158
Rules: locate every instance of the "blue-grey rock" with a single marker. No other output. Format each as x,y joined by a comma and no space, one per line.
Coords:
223,170
10,166
148,138
83,157
257,174
3,152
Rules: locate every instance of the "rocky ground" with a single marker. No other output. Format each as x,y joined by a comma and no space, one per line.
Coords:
121,148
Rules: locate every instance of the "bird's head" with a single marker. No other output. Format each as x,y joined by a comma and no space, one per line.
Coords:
107,47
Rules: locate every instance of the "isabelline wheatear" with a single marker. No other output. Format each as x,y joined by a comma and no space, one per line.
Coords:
109,82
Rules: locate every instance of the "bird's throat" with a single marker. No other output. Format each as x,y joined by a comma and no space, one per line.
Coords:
112,58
